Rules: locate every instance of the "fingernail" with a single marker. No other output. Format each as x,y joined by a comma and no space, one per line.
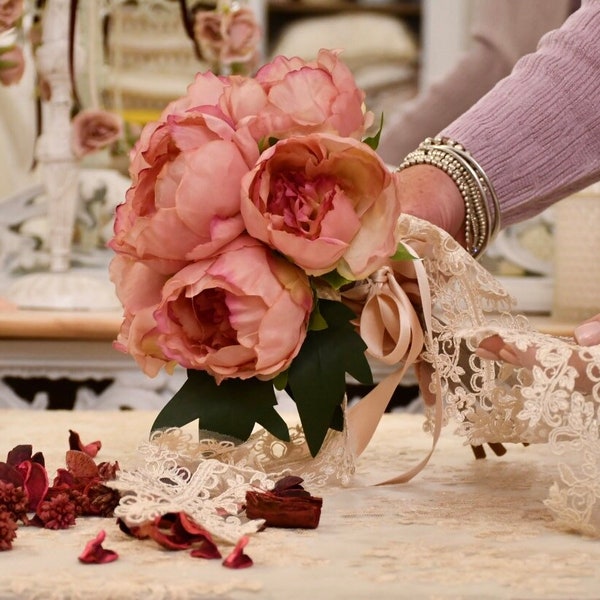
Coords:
509,356
486,354
588,334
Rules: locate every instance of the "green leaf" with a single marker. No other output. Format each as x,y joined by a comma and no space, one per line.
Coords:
373,141
231,408
266,142
317,376
281,380
335,280
402,253
316,322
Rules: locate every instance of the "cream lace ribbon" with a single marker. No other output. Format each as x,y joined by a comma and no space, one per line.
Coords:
432,312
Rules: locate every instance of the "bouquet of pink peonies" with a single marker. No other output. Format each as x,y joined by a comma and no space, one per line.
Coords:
254,202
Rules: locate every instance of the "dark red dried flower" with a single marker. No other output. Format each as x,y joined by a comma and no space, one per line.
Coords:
108,471
175,531
288,505
57,513
8,530
101,500
94,553
90,449
237,559
13,499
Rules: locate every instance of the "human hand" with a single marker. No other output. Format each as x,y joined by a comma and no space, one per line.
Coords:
430,194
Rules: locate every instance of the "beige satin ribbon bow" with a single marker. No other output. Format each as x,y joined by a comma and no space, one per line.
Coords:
390,326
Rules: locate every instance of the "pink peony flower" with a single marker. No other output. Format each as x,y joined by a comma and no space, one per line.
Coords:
228,37
93,130
307,97
186,171
12,65
325,202
140,290
241,314
10,12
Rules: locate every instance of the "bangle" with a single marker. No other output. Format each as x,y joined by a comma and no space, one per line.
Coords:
482,210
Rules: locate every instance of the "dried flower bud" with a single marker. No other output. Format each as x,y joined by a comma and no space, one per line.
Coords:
8,530
57,512
13,500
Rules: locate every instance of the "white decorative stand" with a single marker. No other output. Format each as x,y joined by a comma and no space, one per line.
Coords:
61,287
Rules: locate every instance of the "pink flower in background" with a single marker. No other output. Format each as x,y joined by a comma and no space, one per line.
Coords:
307,97
242,314
184,203
12,65
325,202
10,12
93,130
227,37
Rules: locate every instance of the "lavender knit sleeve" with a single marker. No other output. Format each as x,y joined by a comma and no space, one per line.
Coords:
536,134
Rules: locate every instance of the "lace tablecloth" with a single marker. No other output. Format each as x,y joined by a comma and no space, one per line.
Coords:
461,529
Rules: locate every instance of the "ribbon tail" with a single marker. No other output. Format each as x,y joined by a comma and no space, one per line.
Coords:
364,416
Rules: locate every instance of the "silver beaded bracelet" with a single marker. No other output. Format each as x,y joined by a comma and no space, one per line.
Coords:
482,211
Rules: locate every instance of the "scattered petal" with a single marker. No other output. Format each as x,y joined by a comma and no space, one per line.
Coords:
237,559
206,550
90,449
94,553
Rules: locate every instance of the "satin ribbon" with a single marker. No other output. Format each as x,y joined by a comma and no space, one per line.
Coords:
391,328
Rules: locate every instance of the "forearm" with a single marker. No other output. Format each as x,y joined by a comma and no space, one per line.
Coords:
540,146
442,102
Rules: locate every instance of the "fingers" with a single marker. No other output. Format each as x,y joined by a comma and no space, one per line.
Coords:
495,348
588,333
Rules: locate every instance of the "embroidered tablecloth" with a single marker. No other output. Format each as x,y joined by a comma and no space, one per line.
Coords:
463,528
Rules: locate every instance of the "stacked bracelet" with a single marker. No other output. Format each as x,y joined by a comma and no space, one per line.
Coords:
482,211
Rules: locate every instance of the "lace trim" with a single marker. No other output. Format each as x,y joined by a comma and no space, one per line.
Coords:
208,479
555,400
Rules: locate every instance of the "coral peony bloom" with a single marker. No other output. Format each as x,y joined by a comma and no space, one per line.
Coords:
10,12
184,203
12,65
139,289
325,202
229,37
306,97
241,314
93,130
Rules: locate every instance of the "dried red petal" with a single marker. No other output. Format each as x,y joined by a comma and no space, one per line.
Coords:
10,474
36,482
81,465
90,449
19,454
206,550
237,559
94,553
284,511
178,531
